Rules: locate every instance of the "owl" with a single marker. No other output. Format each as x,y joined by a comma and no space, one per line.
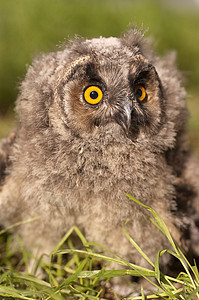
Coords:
98,119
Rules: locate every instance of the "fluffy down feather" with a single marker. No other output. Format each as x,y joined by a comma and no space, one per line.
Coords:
72,163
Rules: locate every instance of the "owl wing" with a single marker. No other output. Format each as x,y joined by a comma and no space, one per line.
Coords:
5,149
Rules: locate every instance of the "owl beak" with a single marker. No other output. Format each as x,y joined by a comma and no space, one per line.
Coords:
124,119
126,126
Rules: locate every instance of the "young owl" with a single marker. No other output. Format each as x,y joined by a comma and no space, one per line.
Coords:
99,119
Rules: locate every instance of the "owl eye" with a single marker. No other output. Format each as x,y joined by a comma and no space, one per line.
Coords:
140,93
93,94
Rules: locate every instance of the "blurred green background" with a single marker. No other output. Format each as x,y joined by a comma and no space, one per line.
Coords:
28,27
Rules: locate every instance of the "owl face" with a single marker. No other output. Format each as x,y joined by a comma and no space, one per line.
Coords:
110,85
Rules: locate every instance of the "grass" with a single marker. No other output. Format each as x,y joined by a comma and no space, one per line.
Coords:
81,276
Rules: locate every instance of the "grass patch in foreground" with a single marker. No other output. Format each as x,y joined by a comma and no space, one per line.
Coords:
79,276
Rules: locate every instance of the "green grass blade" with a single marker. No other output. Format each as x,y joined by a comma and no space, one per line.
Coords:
195,271
74,276
18,224
158,221
107,258
142,293
85,295
4,275
12,293
112,273
194,293
67,235
157,269
31,279
138,248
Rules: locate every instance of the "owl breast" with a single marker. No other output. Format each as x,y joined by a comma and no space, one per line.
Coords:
102,170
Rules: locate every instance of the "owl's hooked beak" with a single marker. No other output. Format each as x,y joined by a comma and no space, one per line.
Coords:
125,124
121,115
123,118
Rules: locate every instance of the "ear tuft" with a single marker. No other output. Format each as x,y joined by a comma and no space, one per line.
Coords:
133,36
135,39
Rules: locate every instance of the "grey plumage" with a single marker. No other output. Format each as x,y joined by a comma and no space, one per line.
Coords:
72,162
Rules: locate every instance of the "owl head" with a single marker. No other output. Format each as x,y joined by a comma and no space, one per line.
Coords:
102,86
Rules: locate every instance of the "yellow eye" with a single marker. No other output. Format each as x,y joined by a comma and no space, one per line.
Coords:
140,93
93,94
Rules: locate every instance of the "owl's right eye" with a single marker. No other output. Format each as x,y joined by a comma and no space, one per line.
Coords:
93,94
140,93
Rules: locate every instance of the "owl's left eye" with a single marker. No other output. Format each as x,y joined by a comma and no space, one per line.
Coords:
93,94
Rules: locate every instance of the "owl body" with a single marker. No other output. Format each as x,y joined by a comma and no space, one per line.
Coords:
97,120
